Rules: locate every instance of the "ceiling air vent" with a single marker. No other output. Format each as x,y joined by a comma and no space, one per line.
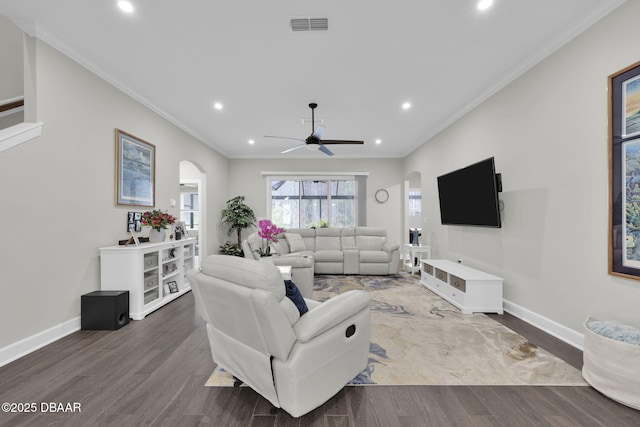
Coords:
310,24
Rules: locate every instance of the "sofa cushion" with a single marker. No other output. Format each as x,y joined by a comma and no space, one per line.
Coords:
374,256
328,256
371,231
255,242
370,243
281,246
296,244
348,238
324,243
328,232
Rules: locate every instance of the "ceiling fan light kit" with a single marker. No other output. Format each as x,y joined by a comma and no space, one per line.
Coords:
315,141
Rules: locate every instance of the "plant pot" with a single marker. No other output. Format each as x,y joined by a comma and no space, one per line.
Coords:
268,259
156,236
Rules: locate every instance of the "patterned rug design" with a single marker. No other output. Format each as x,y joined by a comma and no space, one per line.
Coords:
417,338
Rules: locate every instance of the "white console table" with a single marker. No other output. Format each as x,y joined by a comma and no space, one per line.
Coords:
153,273
414,251
468,289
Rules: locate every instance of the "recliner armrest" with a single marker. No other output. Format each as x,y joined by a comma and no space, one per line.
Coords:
330,313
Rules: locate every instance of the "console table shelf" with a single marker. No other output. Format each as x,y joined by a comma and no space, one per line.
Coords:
468,289
148,272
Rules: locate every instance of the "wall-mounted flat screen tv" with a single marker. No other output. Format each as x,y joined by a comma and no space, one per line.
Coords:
469,196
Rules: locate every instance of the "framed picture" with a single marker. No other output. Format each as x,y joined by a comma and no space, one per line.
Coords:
624,172
173,287
180,230
135,171
134,221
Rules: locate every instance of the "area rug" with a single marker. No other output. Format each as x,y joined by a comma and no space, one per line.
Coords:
417,338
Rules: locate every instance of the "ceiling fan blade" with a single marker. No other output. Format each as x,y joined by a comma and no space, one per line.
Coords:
293,148
319,131
325,150
283,137
341,141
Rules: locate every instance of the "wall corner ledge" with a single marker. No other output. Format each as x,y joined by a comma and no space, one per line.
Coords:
15,135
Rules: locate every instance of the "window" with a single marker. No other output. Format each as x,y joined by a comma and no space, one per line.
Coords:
415,202
190,207
314,202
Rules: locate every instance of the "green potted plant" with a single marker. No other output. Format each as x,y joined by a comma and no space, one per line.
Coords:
230,248
237,216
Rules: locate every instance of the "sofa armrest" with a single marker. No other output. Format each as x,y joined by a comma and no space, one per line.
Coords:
330,313
248,253
390,248
294,260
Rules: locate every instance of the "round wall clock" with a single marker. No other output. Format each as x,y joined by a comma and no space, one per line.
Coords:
382,195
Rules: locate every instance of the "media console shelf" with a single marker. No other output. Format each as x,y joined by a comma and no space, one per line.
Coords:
468,289
153,273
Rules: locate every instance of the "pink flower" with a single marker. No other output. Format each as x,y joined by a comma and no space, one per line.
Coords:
268,231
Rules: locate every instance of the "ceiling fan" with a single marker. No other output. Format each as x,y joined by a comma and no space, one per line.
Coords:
315,141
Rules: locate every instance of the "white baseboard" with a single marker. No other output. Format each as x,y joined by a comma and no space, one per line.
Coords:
549,326
23,347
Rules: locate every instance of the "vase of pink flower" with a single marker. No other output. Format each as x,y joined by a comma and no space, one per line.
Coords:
158,221
268,232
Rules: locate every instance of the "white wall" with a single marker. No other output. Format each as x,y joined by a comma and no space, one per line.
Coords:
548,133
57,192
11,70
245,179
11,85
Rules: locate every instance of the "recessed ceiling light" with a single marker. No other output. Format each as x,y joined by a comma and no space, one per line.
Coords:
251,142
406,105
217,106
378,141
125,6
485,4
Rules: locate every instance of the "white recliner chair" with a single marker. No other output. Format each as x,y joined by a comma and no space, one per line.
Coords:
257,334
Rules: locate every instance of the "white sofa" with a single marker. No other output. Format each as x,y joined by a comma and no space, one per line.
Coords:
348,250
301,264
296,362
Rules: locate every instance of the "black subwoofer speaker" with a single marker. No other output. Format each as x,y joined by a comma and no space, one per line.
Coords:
104,310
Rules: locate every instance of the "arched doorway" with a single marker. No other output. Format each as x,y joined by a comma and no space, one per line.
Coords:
193,205
413,204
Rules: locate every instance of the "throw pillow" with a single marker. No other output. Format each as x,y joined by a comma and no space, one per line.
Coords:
293,293
282,247
296,244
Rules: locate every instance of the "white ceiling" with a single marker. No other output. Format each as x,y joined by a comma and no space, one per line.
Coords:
179,57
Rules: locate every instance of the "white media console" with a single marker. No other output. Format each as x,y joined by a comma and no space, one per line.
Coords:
468,289
153,273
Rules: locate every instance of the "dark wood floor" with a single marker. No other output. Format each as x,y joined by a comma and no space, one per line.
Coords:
152,372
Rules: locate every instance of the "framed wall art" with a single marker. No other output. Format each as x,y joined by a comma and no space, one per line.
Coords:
134,221
135,171
624,172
